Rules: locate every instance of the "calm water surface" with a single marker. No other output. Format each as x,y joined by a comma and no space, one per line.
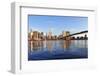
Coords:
57,49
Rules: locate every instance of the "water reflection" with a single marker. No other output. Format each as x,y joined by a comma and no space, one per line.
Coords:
57,49
79,44
52,45
35,45
65,44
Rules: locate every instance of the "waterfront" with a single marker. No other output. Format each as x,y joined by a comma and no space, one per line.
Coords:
57,49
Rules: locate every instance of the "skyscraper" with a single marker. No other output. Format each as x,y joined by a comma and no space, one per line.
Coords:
50,34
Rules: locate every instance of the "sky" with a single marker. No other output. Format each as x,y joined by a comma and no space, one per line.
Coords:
57,24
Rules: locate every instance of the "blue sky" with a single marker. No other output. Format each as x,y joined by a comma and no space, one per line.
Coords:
57,24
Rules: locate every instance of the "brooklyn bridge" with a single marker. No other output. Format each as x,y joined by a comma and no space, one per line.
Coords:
76,36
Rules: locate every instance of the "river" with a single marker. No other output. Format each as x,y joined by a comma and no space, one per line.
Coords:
57,49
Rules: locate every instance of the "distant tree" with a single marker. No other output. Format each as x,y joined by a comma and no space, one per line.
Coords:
73,38
78,38
81,37
85,37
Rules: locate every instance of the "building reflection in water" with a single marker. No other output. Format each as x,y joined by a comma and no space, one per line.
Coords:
35,45
65,44
49,45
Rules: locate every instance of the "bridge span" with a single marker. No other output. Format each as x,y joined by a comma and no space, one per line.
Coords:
79,35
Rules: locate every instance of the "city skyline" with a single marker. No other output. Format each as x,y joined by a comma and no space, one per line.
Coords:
57,24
